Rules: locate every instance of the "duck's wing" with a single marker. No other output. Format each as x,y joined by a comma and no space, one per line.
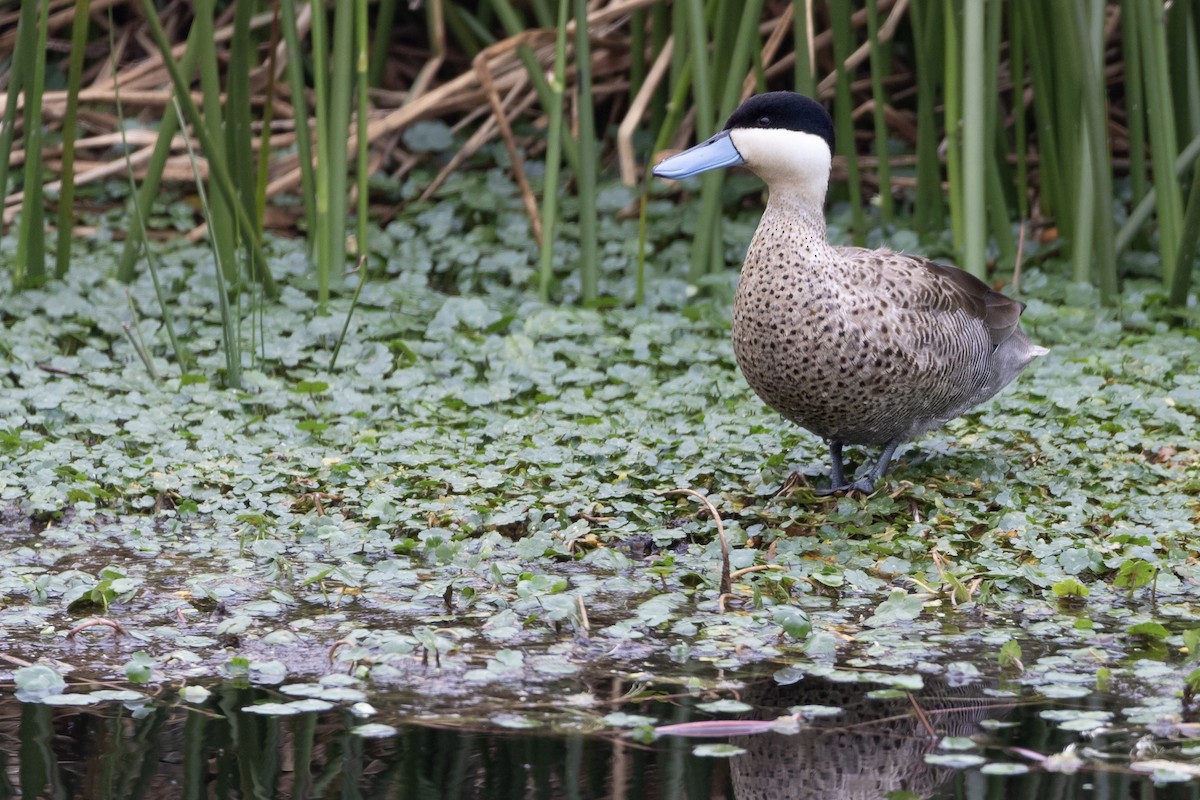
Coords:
940,289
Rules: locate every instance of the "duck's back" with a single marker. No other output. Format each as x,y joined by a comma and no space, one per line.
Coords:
870,346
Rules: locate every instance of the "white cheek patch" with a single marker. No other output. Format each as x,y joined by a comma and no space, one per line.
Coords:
781,156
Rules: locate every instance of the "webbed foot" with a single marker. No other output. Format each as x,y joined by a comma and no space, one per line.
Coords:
866,484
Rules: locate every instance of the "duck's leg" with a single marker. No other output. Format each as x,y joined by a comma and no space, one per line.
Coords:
837,473
866,484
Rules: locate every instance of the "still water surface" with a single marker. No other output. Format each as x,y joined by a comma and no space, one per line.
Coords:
857,742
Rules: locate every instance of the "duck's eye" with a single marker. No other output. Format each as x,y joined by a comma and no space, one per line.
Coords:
764,122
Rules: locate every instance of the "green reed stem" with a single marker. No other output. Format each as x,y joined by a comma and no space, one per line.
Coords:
222,230
954,120
553,155
929,206
1161,118
363,277
1135,105
513,26
337,121
585,175
1141,212
710,182
23,58
30,266
741,58
231,343
1097,158
299,105
143,200
1185,263
973,197
997,175
1016,65
323,129
239,139
802,71
216,167
879,67
139,217
362,165
385,16
843,46
66,195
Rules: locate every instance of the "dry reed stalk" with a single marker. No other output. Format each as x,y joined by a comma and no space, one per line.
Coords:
782,29
483,70
637,110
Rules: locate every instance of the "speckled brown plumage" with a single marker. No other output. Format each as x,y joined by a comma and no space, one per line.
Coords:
867,347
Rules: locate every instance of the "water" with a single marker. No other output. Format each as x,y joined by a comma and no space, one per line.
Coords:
858,742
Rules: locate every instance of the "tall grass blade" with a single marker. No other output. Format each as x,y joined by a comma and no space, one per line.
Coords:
929,208
952,33
30,266
637,51
803,76
585,176
1089,20
843,46
1148,17
143,200
299,105
1052,178
321,92
239,140
66,195
222,230
337,121
997,174
230,341
362,166
1142,211
182,355
513,26
217,168
385,15
879,67
363,277
23,56
264,140
973,195
741,57
708,223
1185,264
1016,67
553,154
1135,104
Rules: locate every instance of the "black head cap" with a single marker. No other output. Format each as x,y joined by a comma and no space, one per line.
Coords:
784,110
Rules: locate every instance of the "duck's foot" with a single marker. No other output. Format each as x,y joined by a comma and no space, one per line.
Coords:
865,484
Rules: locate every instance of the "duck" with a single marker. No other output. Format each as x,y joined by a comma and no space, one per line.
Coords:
865,347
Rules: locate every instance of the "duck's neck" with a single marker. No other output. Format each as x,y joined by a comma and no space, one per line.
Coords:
800,211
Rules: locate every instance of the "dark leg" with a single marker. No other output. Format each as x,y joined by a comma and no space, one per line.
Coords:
866,484
837,473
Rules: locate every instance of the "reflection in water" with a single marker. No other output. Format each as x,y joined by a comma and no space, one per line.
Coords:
160,752
874,747
877,748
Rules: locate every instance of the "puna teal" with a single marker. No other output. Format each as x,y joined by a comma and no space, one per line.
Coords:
864,347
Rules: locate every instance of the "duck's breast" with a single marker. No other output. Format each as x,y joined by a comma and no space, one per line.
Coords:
867,346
